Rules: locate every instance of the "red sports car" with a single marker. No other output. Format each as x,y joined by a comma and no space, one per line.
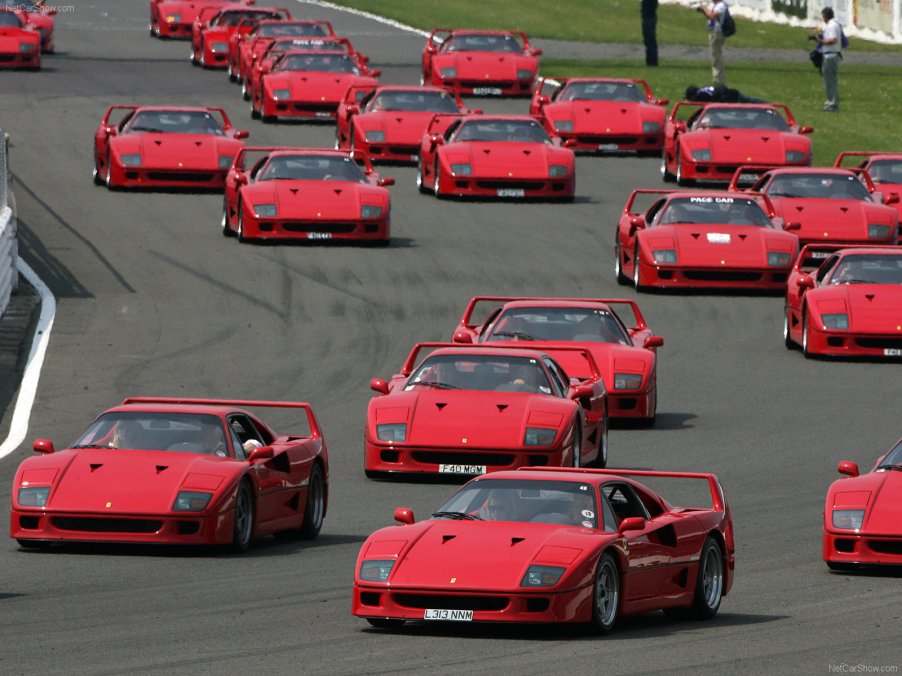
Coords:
507,156
305,193
260,32
387,123
601,114
885,170
862,515
709,141
851,306
551,545
175,471
214,26
39,16
161,147
626,357
20,41
477,409
307,84
174,18
480,62
828,204
703,239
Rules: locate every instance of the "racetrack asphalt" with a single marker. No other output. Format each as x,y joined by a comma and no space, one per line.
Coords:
153,300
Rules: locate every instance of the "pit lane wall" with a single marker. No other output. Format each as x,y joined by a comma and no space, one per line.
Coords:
9,275
877,20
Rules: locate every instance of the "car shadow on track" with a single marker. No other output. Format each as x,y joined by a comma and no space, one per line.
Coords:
394,243
664,421
871,571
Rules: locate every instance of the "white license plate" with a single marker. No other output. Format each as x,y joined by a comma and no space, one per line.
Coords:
322,113
414,158
719,237
486,91
461,469
819,255
319,235
448,615
892,352
511,192
609,146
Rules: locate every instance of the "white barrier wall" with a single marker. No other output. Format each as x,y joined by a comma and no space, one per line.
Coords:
878,20
9,275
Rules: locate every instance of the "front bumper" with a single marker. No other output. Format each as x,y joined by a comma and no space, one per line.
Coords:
463,461
851,344
861,548
671,276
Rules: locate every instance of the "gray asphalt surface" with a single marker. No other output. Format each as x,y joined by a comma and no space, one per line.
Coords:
154,301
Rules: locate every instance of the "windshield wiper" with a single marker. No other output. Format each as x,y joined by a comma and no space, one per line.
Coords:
90,446
150,130
521,335
897,466
457,516
436,384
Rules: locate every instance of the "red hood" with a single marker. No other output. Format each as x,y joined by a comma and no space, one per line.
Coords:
708,245
485,65
829,220
872,308
742,146
11,37
310,200
614,117
484,556
880,493
315,87
401,127
187,151
507,159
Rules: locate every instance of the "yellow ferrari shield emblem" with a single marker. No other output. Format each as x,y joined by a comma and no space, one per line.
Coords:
109,504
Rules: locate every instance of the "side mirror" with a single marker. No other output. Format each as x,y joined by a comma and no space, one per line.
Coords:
376,73
242,133
582,391
636,223
544,100
569,143
806,282
353,109
435,140
386,181
462,336
679,126
240,179
848,468
43,446
404,515
806,130
262,453
892,198
363,58
111,131
537,52
477,111
793,226
379,385
631,523
653,341
662,102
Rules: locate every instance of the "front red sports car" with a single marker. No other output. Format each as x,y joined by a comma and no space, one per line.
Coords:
306,94
20,41
863,515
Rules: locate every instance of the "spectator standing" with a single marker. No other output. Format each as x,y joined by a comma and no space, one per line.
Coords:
830,43
715,14
649,31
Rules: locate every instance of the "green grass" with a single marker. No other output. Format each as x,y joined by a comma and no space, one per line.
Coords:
586,20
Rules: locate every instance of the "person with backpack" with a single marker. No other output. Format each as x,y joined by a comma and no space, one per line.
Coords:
830,44
720,27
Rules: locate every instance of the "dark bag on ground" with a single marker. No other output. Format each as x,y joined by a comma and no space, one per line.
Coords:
817,57
728,26
719,94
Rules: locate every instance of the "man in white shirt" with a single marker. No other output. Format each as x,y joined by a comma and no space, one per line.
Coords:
715,14
830,42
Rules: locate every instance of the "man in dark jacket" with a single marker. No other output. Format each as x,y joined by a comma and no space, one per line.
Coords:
649,27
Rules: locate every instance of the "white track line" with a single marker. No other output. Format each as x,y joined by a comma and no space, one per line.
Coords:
368,15
29,385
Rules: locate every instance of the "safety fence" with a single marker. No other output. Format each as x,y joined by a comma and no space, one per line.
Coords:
878,20
9,275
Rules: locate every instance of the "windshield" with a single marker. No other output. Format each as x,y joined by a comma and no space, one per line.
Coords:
175,122
233,18
486,373
601,91
713,211
582,325
522,131
886,171
482,43
319,63
414,101
273,30
820,186
154,431
741,118
868,269
9,20
311,168
894,457
560,502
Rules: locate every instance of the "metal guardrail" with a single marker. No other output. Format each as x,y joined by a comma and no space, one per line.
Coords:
9,274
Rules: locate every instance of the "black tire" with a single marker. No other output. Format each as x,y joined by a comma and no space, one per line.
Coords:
622,279
240,232
315,509
255,114
226,230
33,544
606,594
637,285
805,351
577,448
421,184
436,182
243,528
601,460
245,90
665,174
384,623
709,582
108,177
787,341
680,181
98,179
832,565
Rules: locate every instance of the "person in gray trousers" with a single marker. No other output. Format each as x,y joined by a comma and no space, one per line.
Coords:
830,43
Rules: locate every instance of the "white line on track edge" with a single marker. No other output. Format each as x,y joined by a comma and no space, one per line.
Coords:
367,15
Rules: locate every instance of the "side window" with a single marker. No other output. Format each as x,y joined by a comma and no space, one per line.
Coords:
825,270
236,444
244,429
623,501
609,520
653,212
557,379
451,129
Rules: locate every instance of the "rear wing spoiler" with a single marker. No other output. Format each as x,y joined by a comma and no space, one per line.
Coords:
698,105
315,430
718,501
865,154
748,174
550,350
812,255
640,320
241,157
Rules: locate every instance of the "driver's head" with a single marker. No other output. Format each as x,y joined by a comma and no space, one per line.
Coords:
127,434
502,506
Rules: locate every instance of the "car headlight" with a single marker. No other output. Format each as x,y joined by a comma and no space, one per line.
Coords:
835,321
191,501
664,256
651,127
265,210
219,47
563,125
701,155
26,47
375,136
370,211
876,231
225,161
524,74
376,570
848,519
557,171
539,436
33,496
461,169
627,381
130,160
173,18
392,432
542,576
447,72
795,156
779,258
281,94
